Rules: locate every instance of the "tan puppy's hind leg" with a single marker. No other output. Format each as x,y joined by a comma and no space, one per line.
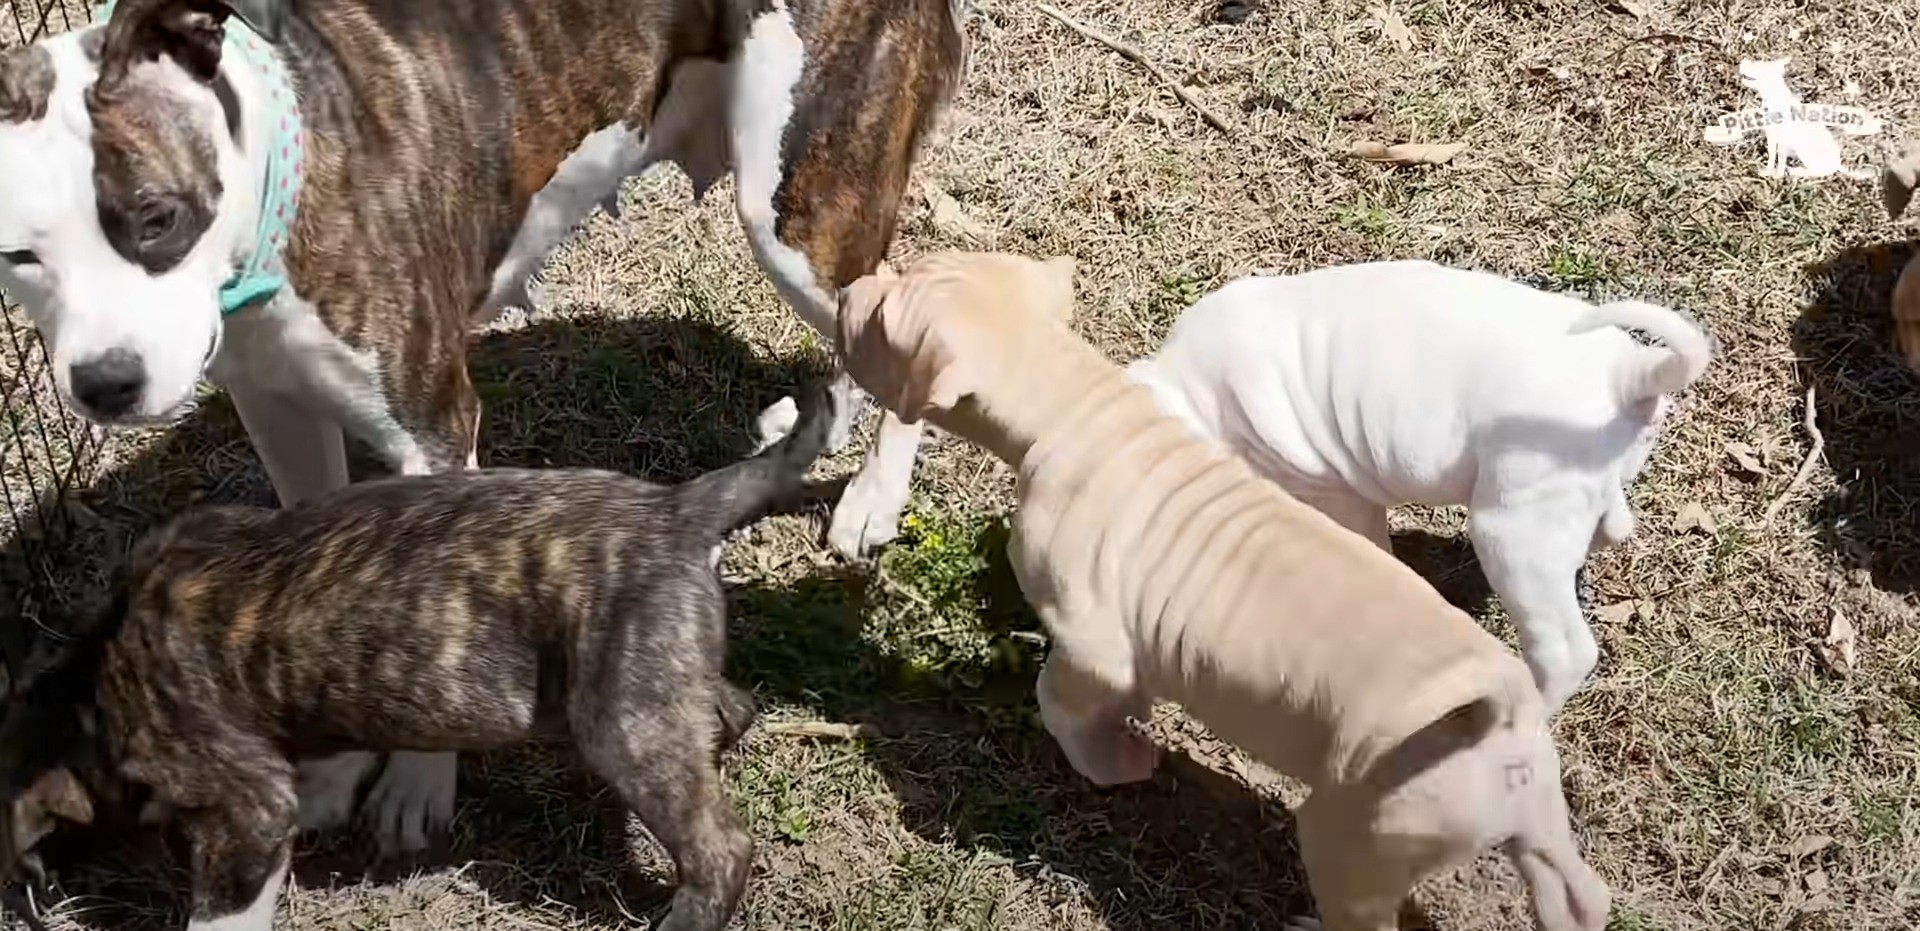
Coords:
1360,865
1567,894
1436,804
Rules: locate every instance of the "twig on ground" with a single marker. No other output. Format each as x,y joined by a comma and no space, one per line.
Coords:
823,729
1806,465
1134,55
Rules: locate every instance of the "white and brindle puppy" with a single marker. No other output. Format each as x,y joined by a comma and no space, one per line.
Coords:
1163,567
458,611
1365,386
315,209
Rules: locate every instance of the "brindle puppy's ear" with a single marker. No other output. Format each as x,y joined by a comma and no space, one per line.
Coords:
188,31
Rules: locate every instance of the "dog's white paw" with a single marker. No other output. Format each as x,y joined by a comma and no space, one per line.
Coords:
326,787
412,802
866,518
849,403
776,422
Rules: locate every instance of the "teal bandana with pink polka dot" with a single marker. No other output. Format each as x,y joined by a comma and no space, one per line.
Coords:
262,273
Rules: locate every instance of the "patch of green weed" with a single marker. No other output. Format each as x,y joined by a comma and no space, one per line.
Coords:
949,608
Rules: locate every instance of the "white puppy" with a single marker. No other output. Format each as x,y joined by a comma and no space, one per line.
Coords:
1360,387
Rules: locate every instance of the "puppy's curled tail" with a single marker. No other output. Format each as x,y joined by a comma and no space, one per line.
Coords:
1652,371
771,481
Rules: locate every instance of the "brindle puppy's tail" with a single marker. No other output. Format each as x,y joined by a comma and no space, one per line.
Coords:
772,481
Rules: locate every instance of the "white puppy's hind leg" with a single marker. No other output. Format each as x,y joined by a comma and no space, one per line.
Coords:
1531,557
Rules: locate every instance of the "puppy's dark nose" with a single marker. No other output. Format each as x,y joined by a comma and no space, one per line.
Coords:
109,385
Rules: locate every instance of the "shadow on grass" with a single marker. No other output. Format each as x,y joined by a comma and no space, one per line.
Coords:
1867,405
962,749
941,659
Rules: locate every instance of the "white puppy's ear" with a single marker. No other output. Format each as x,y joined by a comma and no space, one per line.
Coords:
1058,272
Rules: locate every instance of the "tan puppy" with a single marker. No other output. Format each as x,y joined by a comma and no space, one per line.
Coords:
1164,569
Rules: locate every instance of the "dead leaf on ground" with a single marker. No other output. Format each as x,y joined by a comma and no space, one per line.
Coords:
1408,153
952,219
1393,27
1747,458
1808,845
1693,516
1624,611
1840,649
1636,10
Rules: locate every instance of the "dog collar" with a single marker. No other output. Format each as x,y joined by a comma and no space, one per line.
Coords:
262,273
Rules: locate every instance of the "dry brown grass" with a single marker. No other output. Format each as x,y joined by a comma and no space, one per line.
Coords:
1704,765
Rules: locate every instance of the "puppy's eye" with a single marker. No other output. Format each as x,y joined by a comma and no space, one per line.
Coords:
157,219
19,257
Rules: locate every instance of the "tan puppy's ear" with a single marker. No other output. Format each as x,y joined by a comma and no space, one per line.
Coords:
929,380
859,306
886,347
1059,295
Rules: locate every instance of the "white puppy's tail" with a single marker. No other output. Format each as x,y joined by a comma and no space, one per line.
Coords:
1652,371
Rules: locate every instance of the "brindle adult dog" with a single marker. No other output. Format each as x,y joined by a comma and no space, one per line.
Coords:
435,151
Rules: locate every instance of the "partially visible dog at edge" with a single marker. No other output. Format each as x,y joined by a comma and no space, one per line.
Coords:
1365,386
1163,568
455,612
1897,180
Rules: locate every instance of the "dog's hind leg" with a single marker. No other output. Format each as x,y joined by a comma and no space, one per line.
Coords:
661,761
1432,803
825,128
1532,554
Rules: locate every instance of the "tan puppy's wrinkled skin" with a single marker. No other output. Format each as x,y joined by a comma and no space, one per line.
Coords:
1163,568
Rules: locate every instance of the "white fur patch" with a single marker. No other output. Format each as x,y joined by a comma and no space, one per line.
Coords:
771,61
257,916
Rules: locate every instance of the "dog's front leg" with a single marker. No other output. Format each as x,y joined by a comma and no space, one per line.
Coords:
303,451
821,212
238,855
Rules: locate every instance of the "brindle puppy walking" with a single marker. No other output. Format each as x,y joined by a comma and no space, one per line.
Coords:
443,613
